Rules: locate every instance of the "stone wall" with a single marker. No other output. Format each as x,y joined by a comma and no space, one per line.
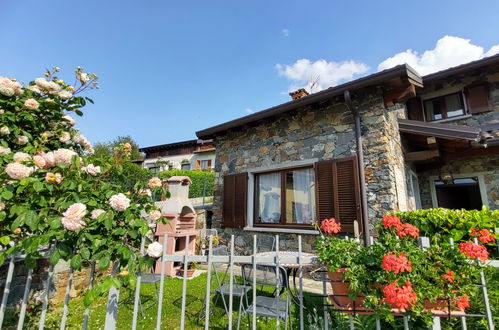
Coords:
321,133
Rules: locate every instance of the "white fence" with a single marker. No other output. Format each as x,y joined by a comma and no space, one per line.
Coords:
232,262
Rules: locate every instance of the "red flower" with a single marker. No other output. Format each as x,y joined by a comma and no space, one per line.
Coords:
449,276
391,221
396,264
463,302
473,250
400,297
484,235
330,226
406,229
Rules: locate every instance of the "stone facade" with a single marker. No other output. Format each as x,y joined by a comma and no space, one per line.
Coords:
489,165
318,133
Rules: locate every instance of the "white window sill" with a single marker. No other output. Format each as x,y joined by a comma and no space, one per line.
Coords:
282,230
446,120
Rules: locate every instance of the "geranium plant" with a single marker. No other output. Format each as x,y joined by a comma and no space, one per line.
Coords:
396,275
51,195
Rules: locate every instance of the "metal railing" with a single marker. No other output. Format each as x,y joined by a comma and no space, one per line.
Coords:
299,259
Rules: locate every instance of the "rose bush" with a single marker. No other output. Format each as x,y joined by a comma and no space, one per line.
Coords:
51,194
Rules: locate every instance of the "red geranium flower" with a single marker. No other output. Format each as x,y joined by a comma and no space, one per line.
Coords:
449,276
463,302
401,297
406,229
473,250
396,264
391,221
484,235
330,226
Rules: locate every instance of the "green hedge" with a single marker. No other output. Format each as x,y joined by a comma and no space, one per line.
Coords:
451,223
197,178
131,174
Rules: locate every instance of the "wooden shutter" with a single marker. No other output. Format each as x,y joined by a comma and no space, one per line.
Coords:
235,200
415,109
198,164
209,163
338,192
478,98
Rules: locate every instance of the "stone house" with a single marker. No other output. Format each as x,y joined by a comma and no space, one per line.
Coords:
185,155
393,140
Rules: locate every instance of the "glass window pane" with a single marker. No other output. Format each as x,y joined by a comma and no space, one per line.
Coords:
300,196
428,106
454,105
268,198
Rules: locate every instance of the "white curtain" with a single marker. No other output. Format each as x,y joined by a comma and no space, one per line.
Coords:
303,191
270,197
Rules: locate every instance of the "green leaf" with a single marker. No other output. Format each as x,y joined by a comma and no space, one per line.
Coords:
85,253
90,297
7,194
76,262
54,257
108,223
31,219
104,262
5,240
38,186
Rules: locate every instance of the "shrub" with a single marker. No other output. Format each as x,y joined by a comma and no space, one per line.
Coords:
197,178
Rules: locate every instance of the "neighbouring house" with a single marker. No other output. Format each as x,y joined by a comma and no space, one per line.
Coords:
184,155
393,140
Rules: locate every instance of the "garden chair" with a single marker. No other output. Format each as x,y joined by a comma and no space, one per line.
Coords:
223,290
276,306
265,243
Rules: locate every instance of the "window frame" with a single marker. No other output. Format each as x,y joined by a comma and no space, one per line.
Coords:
282,221
444,113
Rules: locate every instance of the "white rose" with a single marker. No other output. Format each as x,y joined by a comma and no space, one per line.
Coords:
18,171
83,77
64,156
154,182
31,104
20,157
91,169
4,150
4,130
155,215
70,119
119,202
21,139
65,137
65,95
154,250
96,213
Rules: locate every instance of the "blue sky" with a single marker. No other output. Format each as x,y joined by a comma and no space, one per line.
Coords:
170,68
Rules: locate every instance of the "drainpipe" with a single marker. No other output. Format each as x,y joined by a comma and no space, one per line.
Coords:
360,159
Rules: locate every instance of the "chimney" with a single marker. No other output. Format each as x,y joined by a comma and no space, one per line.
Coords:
298,94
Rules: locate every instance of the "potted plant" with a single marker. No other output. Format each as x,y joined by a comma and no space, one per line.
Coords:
396,275
191,269
338,254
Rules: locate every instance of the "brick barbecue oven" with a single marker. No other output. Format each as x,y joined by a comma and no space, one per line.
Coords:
181,217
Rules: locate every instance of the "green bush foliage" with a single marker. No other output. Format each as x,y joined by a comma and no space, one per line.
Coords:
197,178
451,223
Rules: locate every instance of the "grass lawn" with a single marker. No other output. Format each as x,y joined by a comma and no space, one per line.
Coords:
171,309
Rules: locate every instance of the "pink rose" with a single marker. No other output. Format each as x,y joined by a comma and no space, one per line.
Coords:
64,156
70,120
76,211
154,182
21,157
39,161
31,104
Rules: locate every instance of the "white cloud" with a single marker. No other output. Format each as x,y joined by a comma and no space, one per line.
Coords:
325,74
449,51
285,32
248,110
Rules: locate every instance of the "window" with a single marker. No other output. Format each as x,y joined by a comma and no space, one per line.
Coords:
285,197
185,166
459,193
443,107
154,168
205,164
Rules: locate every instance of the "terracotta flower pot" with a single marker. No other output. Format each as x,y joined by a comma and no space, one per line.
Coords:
190,272
340,298
440,307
